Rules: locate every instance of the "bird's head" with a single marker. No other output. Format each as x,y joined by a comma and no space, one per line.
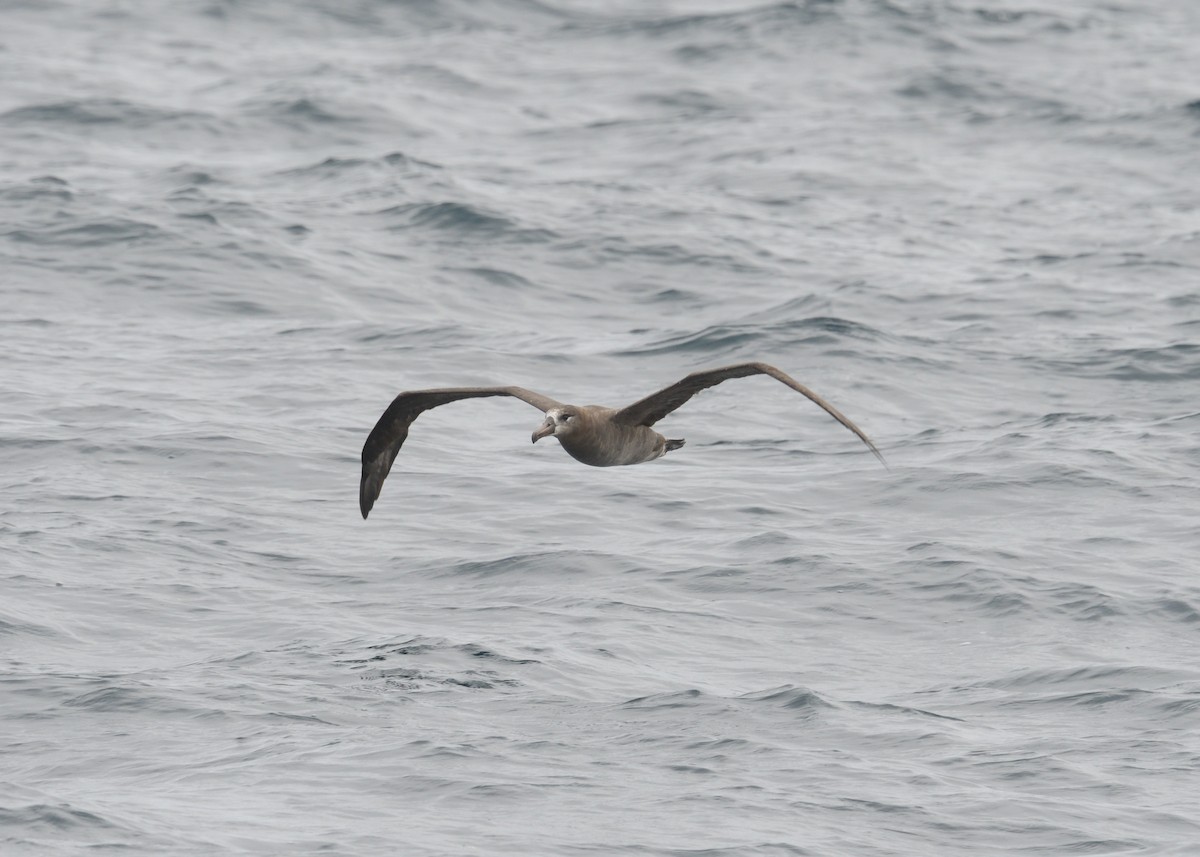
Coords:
559,422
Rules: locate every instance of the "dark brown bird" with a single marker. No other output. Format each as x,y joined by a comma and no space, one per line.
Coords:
593,434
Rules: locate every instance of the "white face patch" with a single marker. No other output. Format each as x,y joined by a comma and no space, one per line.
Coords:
563,420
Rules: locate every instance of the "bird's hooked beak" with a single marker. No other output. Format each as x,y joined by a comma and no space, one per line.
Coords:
544,430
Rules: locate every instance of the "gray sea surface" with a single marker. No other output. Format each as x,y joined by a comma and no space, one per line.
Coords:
232,230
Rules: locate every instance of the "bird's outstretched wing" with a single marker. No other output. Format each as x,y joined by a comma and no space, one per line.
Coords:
385,440
654,407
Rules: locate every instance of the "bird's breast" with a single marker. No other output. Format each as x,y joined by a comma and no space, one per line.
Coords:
612,445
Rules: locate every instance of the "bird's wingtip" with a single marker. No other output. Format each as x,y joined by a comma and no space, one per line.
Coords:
365,500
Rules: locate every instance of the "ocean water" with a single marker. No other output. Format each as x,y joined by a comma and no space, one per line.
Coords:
232,230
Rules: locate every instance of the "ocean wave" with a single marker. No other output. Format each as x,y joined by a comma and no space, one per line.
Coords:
1162,364
37,820
338,169
91,112
765,337
419,664
37,189
300,110
554,563
95,234
757,21
459,221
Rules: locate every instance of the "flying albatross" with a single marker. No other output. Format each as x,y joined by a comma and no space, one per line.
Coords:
595,435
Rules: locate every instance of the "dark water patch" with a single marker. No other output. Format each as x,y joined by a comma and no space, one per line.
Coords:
406,335
690,769
1055,419
495,277
1182,704
426,663
1047,476
680,506
1158,705
796,701
1085,678
1082,602
474,651
749,26
724,338
1175,609
43,188
204,217
290,717
988,593
417,679
714,50
612,249
1086,699
27,442
936,85
399,159
53,818
1103,846
299,112
714,340
686,104
690,698
339,169
105,233
412,646
724,745
791,698
625,608
429,750
225,211
460,221
713,579
673,295
992,591
125,701
89,113
110,699
444,79
240,307
986,99
986,25
768,539
1007,17
552,563
797,309
18,627
1144,260
1163,364
464,20
28,322
889,708
1089,259
776,445
192,177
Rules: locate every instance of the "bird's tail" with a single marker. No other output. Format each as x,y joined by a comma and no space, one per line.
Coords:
674,444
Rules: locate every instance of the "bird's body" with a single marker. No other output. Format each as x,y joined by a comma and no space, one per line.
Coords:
597,439
592,434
